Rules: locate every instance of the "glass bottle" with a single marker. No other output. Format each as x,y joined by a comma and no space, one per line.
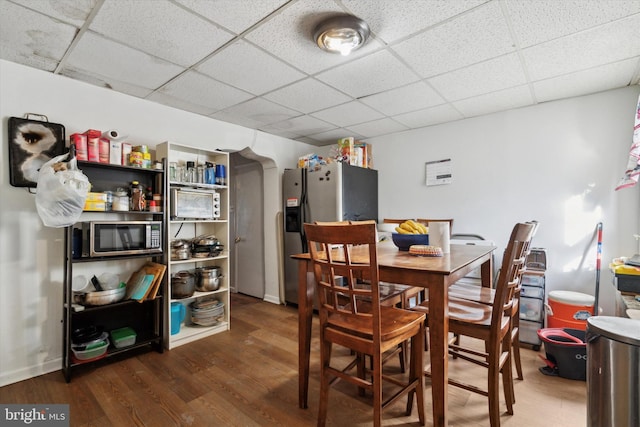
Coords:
148,198
190,172
200,173
137,197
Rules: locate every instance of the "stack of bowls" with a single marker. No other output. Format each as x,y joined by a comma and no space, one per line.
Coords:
207,312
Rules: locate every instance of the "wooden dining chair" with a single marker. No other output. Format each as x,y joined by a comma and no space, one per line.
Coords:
485,295
341,256
492,325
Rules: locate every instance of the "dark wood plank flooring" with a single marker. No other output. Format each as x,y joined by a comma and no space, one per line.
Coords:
248,376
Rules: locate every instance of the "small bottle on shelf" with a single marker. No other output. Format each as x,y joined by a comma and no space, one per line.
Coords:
137,197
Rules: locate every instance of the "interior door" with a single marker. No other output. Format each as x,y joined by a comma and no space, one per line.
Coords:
248,228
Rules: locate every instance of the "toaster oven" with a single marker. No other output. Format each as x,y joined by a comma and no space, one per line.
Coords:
188,203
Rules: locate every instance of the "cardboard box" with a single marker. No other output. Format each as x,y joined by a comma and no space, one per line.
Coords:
95,206
80,141
104,147
93,145
126,150
115,153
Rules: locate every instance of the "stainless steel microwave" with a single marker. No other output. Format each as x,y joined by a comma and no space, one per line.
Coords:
113,238
188,203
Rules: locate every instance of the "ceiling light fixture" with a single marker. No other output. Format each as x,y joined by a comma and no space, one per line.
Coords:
341,34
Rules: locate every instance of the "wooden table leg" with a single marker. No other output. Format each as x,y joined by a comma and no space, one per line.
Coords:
438,334
486,273
305,313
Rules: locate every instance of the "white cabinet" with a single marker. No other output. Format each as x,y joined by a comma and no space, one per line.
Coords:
203,313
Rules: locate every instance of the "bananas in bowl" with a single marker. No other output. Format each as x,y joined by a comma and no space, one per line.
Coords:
410,233
412,227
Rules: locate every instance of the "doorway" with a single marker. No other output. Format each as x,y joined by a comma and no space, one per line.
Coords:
247,224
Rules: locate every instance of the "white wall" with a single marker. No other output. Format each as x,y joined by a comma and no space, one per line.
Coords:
31,258
568,155
557,163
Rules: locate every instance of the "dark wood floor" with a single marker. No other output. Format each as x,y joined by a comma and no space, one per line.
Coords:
248,377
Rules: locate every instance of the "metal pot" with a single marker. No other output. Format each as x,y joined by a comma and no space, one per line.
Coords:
208,278
99,297
183,285
180,250
206,246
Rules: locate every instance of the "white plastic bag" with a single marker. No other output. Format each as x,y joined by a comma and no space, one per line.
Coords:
61,195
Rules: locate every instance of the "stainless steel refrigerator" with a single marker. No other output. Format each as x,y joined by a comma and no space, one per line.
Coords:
335,192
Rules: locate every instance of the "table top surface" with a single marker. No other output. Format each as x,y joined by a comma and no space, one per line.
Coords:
458,257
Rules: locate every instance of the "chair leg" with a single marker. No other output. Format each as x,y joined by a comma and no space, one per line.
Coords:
325,360
416,367
377,390
507,376
493,388
515,345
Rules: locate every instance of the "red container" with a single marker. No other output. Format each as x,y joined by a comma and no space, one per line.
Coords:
93,145
568,309
80,141
103,150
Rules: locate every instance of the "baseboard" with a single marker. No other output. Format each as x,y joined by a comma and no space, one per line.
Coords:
272,299
22,374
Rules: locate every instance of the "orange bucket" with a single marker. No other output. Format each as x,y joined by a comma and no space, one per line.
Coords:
567,309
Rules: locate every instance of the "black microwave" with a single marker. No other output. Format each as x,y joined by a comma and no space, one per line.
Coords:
113,238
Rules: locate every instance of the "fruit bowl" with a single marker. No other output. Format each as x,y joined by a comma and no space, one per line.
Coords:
403,241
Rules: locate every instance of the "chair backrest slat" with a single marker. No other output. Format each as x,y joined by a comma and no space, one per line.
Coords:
513,263
344,256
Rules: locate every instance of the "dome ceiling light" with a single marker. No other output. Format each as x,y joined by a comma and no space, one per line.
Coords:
341,34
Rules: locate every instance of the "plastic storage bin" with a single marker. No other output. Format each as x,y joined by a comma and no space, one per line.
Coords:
566,352
123,337
94,351
531,309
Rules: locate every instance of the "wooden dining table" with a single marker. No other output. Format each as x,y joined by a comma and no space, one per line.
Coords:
433,273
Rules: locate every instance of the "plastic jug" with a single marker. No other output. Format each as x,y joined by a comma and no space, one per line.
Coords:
178,313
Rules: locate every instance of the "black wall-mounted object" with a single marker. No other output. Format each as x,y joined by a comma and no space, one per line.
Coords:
32,143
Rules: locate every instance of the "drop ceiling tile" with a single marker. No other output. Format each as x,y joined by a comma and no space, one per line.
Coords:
371,74
245,66
299,126
415,96
608,43
351,113
288,35
70,11
180,104
95,54
390,22
597,79
196,88
41,44
488,76
307,96
429,116
234,15
255,113
330,137
377,127
160,28
539,21
106,82
470,38
501,100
